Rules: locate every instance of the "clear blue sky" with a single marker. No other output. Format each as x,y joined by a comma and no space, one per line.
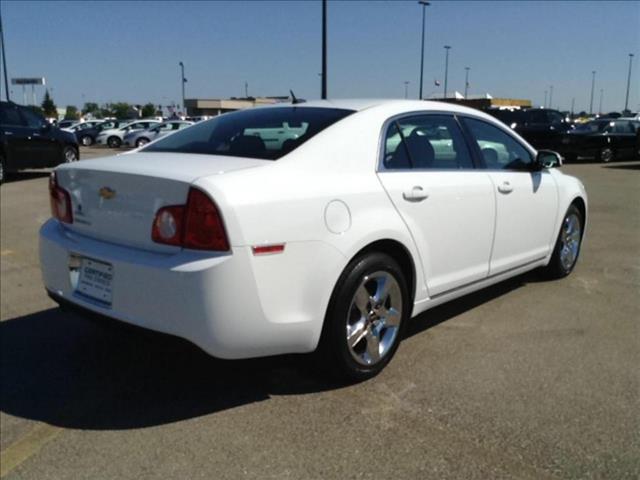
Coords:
129,51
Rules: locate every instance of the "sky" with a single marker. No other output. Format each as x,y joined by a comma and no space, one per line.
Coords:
129,51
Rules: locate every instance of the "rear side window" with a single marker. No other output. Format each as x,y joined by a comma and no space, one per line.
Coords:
9,116
431,142
33,119
499,150
263,133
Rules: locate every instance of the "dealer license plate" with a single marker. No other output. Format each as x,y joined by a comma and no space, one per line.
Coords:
95,280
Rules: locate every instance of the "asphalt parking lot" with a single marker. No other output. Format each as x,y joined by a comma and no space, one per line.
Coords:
527,379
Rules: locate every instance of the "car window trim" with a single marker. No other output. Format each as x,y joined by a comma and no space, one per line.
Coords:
394,119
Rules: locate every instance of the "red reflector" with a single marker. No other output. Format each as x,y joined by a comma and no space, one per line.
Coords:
267,249
203,228
60,201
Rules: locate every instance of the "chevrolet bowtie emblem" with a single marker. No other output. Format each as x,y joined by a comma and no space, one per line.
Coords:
107,193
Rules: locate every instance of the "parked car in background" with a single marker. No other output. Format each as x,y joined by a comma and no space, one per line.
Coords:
87,136
113,137
138,138
541,127
67,123
604,140
82,125
249,242
28,140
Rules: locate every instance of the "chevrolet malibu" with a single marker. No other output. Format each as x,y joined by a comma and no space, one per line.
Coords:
321,226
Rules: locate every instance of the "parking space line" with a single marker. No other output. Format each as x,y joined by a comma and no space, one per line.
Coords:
30,444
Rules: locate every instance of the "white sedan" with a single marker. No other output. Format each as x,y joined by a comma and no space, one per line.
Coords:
327,234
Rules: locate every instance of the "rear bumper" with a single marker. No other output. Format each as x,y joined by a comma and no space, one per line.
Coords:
230,305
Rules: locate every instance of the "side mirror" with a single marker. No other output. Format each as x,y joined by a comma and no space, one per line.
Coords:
548,159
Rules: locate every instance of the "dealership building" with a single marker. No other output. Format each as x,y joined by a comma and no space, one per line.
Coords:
197,107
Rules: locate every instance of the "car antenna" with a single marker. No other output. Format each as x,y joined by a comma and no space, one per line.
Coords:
295,100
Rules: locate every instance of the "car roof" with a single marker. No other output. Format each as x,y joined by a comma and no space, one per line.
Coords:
364,104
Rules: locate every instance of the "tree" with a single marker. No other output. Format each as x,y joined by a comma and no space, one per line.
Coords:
71,113
121,110
148,110
48,107
92,109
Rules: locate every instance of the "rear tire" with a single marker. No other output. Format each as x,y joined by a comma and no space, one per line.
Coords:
86,141
3,172
141,142
114,142
568,244
364,324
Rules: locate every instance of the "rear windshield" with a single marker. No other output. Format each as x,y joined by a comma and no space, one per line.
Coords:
264,133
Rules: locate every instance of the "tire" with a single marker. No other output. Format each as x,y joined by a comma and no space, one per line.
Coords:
3,172
567,248
86,141
358,341
141,142
70,154
114,142
607,154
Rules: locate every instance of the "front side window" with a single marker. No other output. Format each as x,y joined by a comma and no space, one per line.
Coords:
499,150
263,133
432,142
33,119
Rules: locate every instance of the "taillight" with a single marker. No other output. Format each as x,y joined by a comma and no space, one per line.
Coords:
60,201
196,225
167,226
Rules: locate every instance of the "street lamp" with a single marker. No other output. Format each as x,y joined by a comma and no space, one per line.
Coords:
550,96
626,98
182,82
466,81
446,69
406,89
600,107
545,99
424,4
593,84
323,92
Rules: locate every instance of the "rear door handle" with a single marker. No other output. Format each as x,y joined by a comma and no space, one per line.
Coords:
416,194
8,133
505,187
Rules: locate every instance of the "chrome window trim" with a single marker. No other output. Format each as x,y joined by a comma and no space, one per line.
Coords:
380,167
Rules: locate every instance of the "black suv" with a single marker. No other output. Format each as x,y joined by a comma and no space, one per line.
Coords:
543,128
27,140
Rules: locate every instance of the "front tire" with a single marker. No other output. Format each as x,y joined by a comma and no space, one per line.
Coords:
70,154
114,142
567,248
369,308
86,141
141,142
607,154
3,172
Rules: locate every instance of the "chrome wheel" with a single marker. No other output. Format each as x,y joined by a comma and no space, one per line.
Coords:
141,142
606,155
373,319
570,241
86,141
1,171
70,155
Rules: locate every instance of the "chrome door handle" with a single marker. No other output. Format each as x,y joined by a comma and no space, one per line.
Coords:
8,133
505,187
416,194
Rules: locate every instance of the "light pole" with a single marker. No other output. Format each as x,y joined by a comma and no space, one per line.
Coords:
406,89
600,107
323,93
573,104
626,98
4,60
466,81
182,82
424,4
446,69
593,84
545,99
550,96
